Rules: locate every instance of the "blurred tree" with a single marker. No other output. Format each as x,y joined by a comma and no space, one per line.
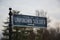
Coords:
41,13
52,34
57,25
43,32
39,34
15,12
46,34
31,36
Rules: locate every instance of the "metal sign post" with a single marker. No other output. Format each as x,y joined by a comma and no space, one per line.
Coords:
10,24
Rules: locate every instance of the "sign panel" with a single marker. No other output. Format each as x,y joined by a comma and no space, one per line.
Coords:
29,21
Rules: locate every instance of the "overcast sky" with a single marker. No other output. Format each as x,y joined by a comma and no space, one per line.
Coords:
52,7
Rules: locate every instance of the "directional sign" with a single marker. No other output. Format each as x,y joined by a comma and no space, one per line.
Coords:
29,21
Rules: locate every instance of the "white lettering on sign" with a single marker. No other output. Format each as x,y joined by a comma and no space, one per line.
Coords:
23,20
29,20
36,21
